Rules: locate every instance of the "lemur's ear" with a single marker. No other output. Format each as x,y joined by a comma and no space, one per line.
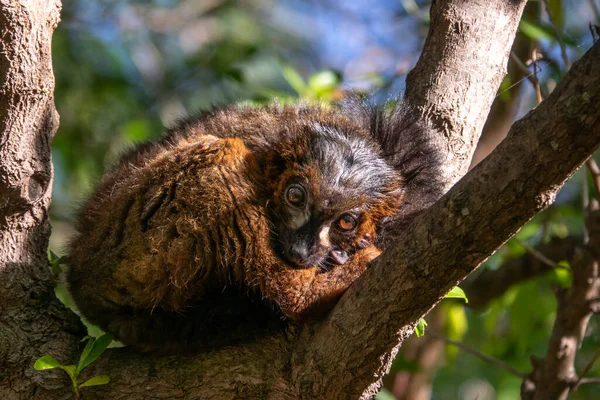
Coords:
275,166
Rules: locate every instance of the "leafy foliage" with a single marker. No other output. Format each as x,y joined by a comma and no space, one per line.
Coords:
420,328
93,349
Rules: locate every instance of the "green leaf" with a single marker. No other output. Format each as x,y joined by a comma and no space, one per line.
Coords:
96,380
46,362
97,348
323,82
556,10
294,79
53,257
562,276
85,353
534,31
456,326
55,262
71,370
61,291
87,338
420,328
456,293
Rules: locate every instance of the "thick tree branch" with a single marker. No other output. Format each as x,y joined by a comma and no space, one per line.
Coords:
458,74
506,104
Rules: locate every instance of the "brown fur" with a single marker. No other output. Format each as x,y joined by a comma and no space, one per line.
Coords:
179,237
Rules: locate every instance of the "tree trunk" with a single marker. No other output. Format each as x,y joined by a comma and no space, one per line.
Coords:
345,355
32,321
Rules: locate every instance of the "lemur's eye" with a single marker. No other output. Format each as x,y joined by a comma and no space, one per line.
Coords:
346,222
295,195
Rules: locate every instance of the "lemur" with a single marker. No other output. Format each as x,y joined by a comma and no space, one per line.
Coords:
242,216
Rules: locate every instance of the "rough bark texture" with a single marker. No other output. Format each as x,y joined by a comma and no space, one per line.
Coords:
350,350
506,104
32,321
458,74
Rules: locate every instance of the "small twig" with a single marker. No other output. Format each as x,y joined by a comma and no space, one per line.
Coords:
595,172
531,76
563,48
587,369
589,380
538,87
477,353
538,255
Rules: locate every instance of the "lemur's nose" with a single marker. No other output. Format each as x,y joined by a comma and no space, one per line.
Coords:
299,252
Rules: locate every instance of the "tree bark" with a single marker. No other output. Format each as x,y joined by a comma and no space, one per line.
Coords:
506,104
458,74
32,321
345,355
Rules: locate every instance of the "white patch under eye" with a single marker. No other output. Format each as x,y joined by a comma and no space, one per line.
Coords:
299,220
324,237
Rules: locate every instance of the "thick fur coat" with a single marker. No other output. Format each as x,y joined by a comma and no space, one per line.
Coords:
240,216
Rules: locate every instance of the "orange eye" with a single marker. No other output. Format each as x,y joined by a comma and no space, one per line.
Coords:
346,222
295,195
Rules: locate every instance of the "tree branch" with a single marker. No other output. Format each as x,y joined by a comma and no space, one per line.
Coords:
595,172
438,250
506,103
459,72
585,381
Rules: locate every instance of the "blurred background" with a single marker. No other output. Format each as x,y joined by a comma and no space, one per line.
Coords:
125,70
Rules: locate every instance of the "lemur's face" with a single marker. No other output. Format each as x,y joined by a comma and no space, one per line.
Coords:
332,191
